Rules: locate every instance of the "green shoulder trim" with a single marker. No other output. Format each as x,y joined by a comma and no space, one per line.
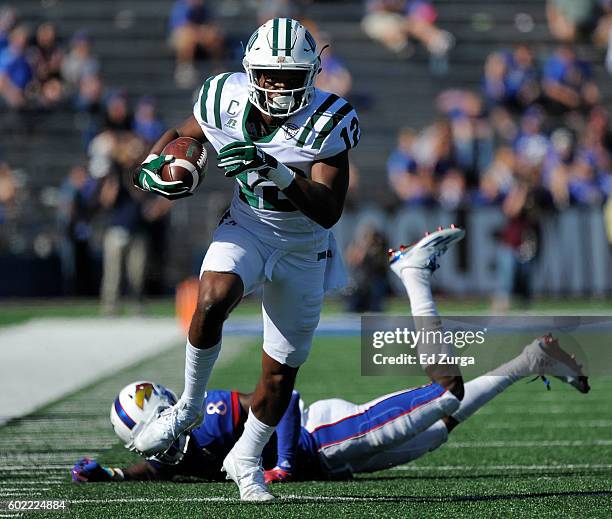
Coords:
218,90
333,121
204,98
310,124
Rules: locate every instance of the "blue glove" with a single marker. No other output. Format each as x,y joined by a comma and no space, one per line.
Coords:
88,470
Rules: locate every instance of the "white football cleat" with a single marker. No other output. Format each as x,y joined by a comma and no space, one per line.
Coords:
424,253
248,474
163,428
545,357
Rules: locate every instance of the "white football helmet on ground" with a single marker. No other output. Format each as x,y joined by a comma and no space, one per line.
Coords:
136,404
281,44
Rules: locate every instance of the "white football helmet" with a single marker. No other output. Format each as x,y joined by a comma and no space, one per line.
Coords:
281,44
137,404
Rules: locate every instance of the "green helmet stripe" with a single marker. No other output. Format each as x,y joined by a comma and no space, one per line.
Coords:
203,99
218,90
289,26
333,121
275,37
309,126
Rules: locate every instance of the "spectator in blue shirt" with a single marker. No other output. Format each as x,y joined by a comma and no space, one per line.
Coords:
584,182
403,174
511,78
567,82
192,28
334,76
89,102
522,85
147,124
493,80
15,70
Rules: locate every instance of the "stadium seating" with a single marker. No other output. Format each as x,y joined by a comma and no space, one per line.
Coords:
130,38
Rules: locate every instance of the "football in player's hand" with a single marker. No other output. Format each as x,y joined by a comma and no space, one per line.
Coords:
189,164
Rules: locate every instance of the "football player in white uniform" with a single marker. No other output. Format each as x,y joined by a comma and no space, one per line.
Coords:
286,143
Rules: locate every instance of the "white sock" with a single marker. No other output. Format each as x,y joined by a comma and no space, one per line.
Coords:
483,389
516,368
418,285
424,311
254,438
199,363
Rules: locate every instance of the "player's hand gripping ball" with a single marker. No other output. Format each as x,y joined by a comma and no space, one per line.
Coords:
176,172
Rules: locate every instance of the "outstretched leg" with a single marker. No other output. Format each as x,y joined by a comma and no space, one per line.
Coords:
415,265
395,418
542,356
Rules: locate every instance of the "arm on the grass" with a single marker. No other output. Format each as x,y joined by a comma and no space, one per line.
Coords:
88,470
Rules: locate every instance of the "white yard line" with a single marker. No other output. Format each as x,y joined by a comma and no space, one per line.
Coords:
23,489
218,499
558,424
409,467
37,482
470,468
42,456
31,493
510,444
16,468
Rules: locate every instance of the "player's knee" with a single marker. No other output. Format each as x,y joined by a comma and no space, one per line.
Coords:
216,301
280,383
456,387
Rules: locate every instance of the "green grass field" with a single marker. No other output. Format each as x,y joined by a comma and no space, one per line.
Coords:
529,453
18,311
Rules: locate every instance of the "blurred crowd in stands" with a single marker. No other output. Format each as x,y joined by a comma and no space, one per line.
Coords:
398,23
535,137
536,124
39,70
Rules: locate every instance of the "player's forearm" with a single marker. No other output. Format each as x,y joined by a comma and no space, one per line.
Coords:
143,471
165,139
188,128
315,200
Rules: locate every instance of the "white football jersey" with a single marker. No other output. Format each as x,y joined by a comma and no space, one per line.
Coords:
326,127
